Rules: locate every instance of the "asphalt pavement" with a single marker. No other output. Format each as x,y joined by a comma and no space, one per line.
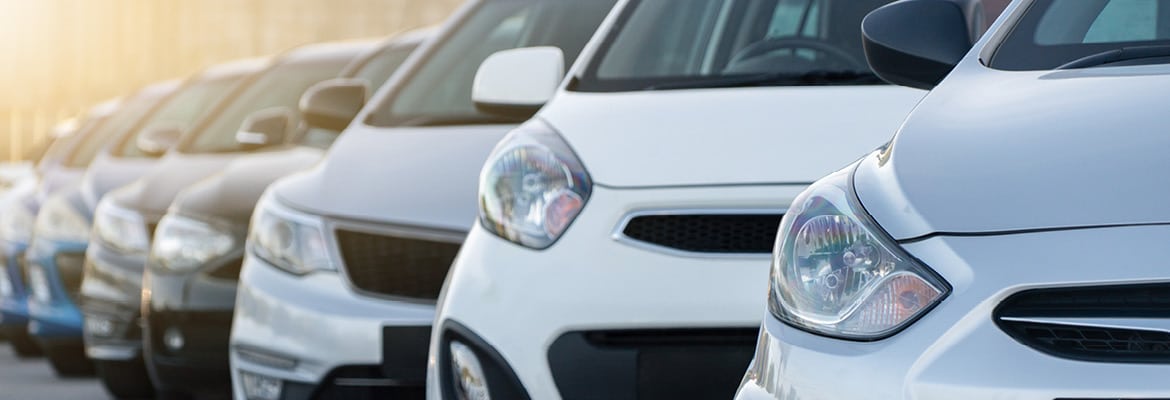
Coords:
34,380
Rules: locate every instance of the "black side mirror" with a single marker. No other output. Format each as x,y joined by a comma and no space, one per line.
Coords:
265,128
916,43
157,140
334,103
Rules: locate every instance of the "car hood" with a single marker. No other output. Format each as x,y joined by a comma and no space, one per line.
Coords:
109,173
153,192
232,193
727,136
424,177
994,151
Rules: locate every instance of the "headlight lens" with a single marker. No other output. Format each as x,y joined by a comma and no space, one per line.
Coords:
16,222
837,273
183,244
60,220
288,240
532,187
123,229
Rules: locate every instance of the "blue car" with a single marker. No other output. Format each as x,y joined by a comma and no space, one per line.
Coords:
18,208
55,256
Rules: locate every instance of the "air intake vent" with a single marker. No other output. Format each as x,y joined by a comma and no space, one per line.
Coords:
1119,324
396,266
706,233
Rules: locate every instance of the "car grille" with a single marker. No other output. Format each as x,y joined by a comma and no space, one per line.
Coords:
707,233
354,383
70,269
229,270
396,266
1038,319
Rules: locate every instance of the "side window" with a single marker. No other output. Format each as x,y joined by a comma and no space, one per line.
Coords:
1125,21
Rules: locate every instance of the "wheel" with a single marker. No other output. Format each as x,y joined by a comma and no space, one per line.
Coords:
125,379
69,361
24,346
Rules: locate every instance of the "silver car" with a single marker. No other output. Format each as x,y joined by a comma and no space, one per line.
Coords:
1008,243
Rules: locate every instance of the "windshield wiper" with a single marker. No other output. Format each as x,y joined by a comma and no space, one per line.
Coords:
1118,55
813,78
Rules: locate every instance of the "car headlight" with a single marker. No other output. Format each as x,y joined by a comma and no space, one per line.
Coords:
288,240
60,220
835,272
16,222
532,187
122,229
183,244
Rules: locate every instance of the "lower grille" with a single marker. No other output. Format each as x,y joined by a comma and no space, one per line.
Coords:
1090,324
711,233
396,266
70,266
651,364
365,383
229,271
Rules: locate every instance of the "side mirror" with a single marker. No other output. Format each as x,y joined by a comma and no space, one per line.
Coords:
916,43
517,82
158,140
334,103
266,128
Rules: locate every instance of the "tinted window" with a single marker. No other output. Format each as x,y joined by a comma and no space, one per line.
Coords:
661,44
1052,33
180,110
279,86
439,90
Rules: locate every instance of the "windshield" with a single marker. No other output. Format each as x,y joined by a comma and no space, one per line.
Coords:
115,127
439,92
1052,33
674,44
374,70
82,146
180,110
279,86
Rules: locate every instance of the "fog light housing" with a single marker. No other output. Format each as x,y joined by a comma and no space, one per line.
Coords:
470,381
260,387
173,339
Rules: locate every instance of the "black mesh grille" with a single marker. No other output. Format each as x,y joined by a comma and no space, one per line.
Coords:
1022,316
754,233
70,267
396,266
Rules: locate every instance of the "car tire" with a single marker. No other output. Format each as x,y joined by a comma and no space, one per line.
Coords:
69,361
24,346
125,379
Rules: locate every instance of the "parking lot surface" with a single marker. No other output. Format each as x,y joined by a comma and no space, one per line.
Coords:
34,380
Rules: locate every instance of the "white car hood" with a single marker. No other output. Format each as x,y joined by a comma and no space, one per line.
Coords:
424,177
994,152
727,136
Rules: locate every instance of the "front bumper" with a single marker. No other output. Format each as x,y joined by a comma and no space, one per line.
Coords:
597,317
957,351
315,334
58,319
14,306
111,293
187,319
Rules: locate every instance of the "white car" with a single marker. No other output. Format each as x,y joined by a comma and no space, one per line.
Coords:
345,261
625,232
1006,244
